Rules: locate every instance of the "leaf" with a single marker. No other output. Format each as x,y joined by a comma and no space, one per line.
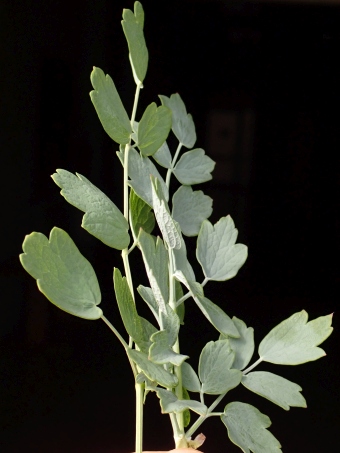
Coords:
182,122
180,310
294,341
133,24
148,330
154,372
160,351
153,129
194,167
217,252
214,368
275,388
190,379
155,259
243,346
148,297
186,412
141,214
102,218
63,275
171,323
214,314
163,156
140,169
170,403
247,429
190,208
109,107
169,229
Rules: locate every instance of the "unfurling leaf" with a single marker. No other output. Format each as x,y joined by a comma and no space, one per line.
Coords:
243,346
133,24
182,122
295,340
214,368
109,107
63,275
141,214
194,167
153,371
275,388
160,350
102,218
190,208
217,252
153,129
170,403
247,429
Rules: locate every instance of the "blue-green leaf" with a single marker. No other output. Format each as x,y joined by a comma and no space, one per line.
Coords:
153,371
63,275
194,167
214,368
141,214
190,208
275,388
170,403
190,379
109,107
102,218
160,350
163,156
247,429
217,252
148,297
182,122
153,129
295,340
133,24
243,346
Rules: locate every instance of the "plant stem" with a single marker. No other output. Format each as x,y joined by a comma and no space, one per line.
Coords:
252,366
139,418
182,299
174,160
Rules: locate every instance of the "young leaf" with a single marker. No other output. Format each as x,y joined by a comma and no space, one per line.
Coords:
148,297
214,314
275,388
170,403
182,122
214,368
153,129
190,208
133,24
243,346
102,218
217,252
247,429
169,228
294,341
63,275
194,167
155,259
140,169
127,307
163,156
160,351
141,214
109,107
190,379
154,372
186,412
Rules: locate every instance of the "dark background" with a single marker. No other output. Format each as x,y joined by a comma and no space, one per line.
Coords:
270,70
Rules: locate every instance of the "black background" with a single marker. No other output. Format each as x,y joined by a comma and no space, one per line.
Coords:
65,383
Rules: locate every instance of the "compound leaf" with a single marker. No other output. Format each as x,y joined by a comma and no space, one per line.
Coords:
102,218
153,129
170,403
109,107
163,156
190,379
141,214
160,350
194,167
294,340
63,275
243,346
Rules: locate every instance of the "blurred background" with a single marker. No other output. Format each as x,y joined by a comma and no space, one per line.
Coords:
261,79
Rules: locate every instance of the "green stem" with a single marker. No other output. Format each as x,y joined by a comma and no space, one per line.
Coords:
174,160
139,418
252,366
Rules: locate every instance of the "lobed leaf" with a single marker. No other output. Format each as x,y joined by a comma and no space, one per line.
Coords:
243,346
247,429
190,379
109,107
214,368
160,350
170,403
294,341
194,167
102,218
182,122
275,388
217,252
63,275
133,24
153,129
163,156
190,208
